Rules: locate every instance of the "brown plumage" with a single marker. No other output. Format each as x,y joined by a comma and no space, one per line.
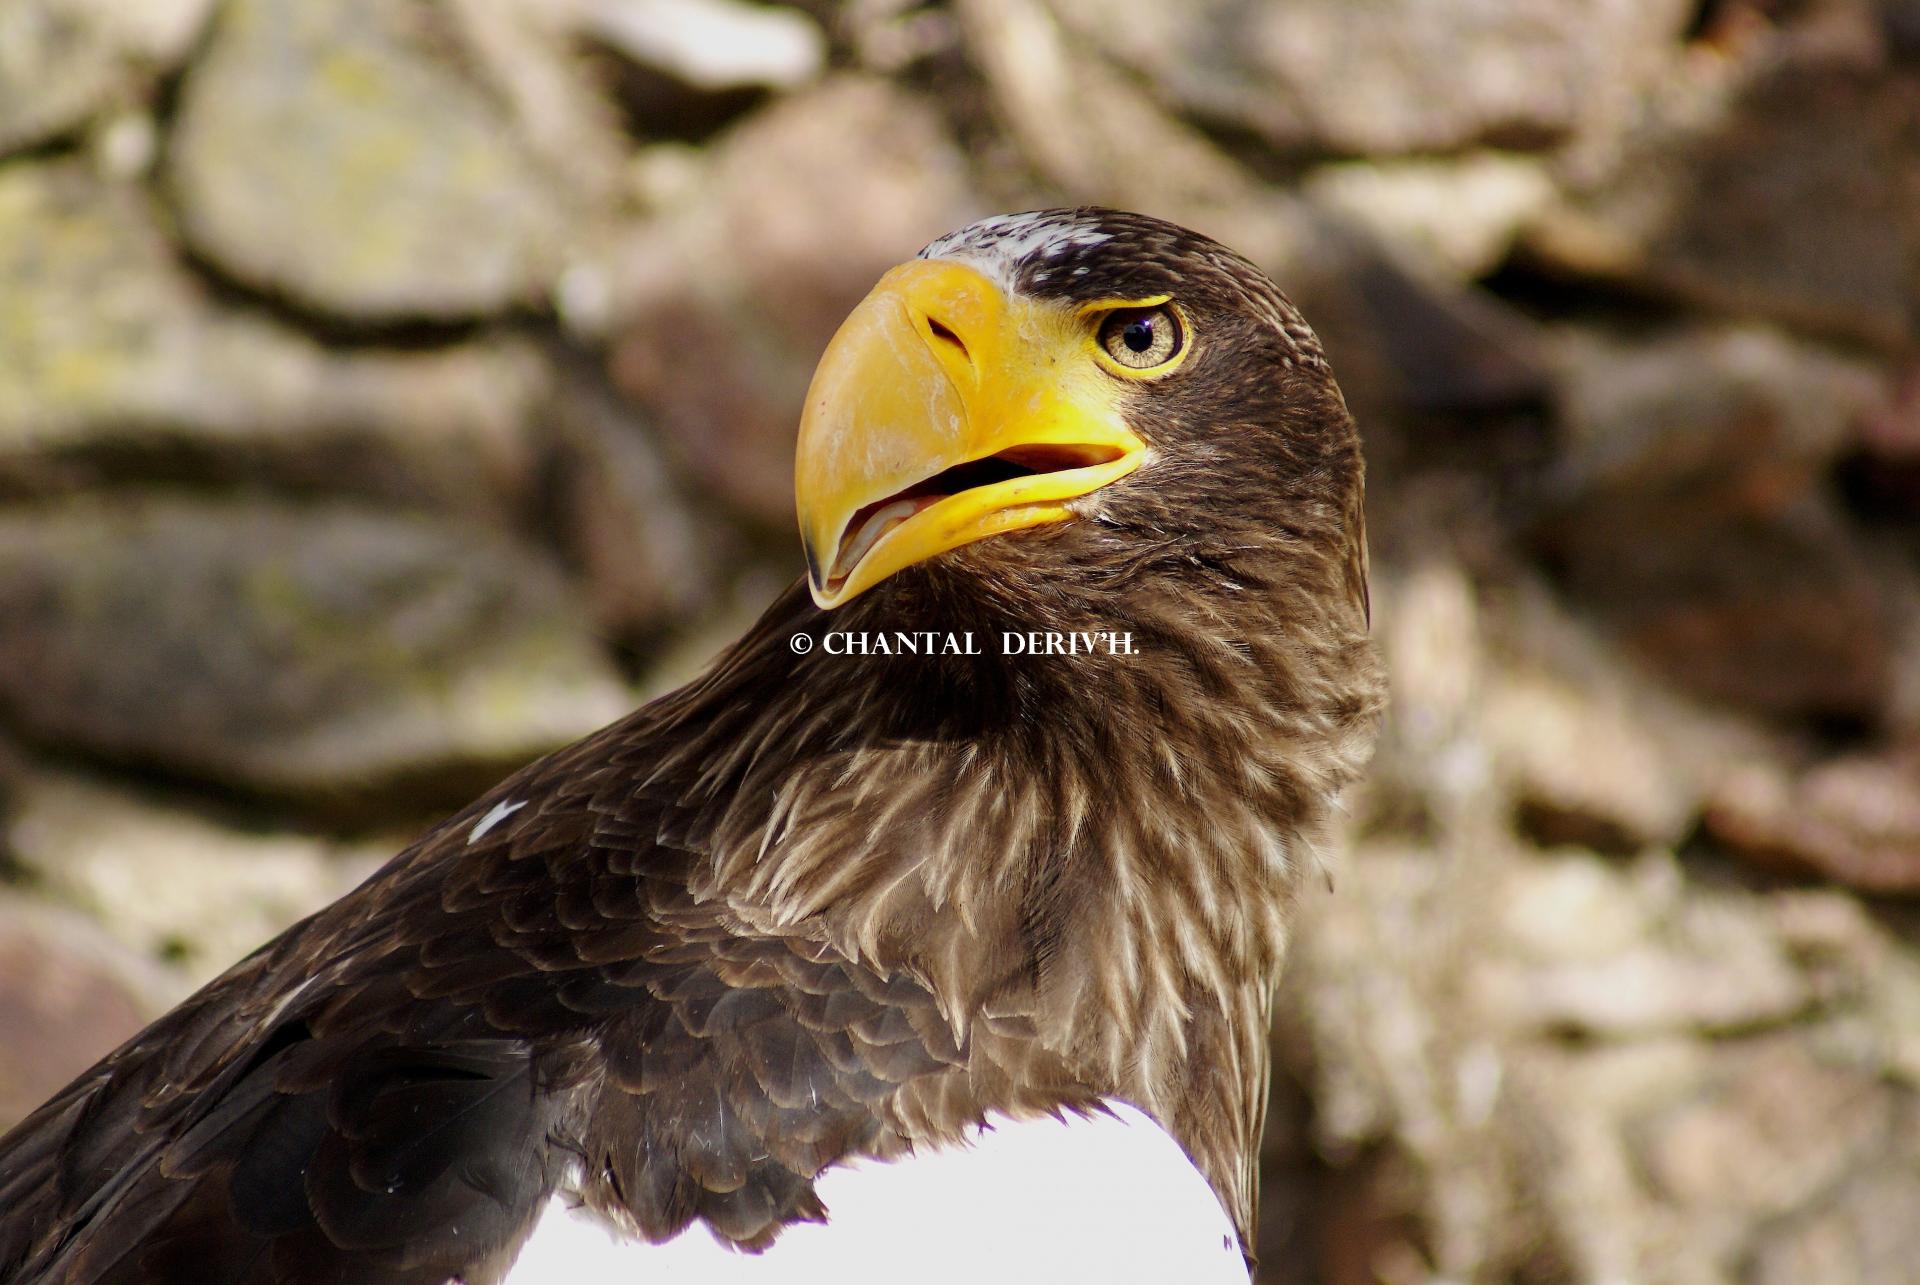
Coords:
810,906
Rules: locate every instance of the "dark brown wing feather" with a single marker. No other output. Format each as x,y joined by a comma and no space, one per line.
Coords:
390,1090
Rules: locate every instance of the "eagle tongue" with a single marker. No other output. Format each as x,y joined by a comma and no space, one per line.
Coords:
874,525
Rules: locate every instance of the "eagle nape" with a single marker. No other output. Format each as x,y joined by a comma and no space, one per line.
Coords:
983,939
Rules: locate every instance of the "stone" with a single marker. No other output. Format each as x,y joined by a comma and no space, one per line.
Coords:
1429,768
709,44
1883,477
1131,152
803,208
1690,512
1692,517
1594,751
1678,1160
1766,1133
891,36
1570,907
692,651
652,556
1864,1232
1854,820
1392,76
1584,768
115,365
1900,22
1694,403
1777,615
1582,1188
1649,989
1456,374
1370,1020
1781,188
1563,1055
1460,214
1865,975
524,57
68,995
173,884
1638,958
1521,709
335,154
325,654
1894,1007
63,62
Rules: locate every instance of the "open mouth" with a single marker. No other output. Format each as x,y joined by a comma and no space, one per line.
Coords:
872,523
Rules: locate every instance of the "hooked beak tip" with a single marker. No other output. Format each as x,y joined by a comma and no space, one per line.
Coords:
816,570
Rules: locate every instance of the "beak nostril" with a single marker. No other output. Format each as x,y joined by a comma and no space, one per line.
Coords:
943,332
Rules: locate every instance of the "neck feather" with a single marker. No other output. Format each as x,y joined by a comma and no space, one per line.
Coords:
1089,860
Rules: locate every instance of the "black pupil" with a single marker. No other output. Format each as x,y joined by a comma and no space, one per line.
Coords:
1138,334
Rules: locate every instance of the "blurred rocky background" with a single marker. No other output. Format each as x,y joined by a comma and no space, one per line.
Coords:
391,390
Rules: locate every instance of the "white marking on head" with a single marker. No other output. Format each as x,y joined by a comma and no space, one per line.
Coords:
499,813
999,246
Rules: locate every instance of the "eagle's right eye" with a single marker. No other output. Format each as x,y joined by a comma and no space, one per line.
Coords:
1141,339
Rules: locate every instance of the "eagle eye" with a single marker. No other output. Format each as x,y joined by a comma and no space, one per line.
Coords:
1142,338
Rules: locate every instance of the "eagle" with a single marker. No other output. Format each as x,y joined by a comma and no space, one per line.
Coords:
980,939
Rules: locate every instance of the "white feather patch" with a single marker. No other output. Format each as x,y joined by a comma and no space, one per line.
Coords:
1106,1198
1000,245
498,813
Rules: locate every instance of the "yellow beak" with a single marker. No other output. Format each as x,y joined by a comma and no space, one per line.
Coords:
944,412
